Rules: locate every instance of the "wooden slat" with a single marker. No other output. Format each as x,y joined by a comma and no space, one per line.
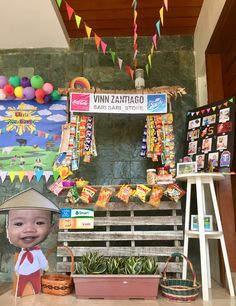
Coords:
119,206
160,220
124,236
122,251
172,267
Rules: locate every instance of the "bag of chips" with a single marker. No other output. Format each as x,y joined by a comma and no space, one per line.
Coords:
141,192
156,195
104,197
72,196
174,192
124,193
87,194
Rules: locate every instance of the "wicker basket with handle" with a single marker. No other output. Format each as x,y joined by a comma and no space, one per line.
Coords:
58,284
183,290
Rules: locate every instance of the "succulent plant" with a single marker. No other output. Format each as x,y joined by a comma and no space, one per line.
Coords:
94,263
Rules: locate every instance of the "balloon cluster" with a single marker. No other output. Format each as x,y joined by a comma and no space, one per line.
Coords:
25,88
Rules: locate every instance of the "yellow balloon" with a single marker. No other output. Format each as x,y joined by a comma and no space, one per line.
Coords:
18,91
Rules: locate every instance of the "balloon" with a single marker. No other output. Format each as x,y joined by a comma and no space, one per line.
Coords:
11,97
36,81
14,81
2,94
55,95
3,81
47,99
39,93
48,88
25,82
40,100
29,93
19,92
8,90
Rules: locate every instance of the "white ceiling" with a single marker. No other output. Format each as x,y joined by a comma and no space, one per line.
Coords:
31,24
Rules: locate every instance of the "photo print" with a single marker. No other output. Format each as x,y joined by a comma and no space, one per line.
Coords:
214,158
224,114
193,124
224,127
209,120
194,134
200,160
206,145
192,148
222,142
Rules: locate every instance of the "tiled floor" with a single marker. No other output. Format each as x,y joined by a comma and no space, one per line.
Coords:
219,297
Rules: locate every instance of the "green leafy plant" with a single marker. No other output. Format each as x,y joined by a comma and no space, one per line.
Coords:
94,263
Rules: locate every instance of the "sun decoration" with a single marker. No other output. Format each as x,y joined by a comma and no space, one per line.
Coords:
21,119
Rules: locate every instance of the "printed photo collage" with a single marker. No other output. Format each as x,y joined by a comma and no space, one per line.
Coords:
210,135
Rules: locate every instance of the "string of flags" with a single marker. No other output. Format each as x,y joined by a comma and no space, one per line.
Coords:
207,110
101,43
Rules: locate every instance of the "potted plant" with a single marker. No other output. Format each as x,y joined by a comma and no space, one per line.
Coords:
97,276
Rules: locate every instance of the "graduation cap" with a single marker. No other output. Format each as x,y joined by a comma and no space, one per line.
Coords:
29,199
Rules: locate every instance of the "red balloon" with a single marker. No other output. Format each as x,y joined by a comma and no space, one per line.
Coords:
8,90
39,93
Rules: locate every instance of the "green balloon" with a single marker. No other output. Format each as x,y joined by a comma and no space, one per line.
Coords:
14,81
37,81
55,95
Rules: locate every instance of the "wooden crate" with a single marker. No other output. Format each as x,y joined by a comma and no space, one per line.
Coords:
132,229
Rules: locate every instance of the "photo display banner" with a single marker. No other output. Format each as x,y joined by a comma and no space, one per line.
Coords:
118,103
71,218
209,135
30,134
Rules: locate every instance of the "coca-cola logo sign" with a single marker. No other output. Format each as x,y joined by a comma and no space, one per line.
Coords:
80,102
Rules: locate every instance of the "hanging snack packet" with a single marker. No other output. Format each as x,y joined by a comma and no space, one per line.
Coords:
124,193
72,195
141,192
156,195
174,192
104,197
87,194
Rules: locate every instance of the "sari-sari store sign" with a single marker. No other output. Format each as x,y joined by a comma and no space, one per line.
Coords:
118,103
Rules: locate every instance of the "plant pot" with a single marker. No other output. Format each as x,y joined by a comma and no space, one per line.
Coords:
116,287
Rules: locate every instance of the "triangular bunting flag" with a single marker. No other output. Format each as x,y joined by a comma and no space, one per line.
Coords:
226,103
47,175
132,73
188,113
30,175
192,114
113,55
231,100
154,39
219,106
38,174
161,16
166,4
104,47
158,28
77,19
88,30
55,175
135,54
97,40
21,175
208,109
197,113
59,2
203,111
135,16
213,108
70,10
135,27
150,60
120,61
147,69
152,49
3,175
12,175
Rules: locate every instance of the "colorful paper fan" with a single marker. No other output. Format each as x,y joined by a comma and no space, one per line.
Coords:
80,82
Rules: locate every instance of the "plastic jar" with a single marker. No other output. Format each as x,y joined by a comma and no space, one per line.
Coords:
151,176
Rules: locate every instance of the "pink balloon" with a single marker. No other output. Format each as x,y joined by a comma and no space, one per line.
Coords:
48,88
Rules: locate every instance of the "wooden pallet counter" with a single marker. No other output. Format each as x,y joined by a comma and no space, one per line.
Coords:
133,229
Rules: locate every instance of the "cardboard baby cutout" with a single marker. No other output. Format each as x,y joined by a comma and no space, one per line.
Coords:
29,223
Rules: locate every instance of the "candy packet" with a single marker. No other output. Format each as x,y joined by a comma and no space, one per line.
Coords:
156,195
72,196
141,192
174,192
57,187
87,194
124,193
104,197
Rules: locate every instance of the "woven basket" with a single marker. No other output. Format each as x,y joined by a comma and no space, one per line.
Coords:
58,284
182,290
